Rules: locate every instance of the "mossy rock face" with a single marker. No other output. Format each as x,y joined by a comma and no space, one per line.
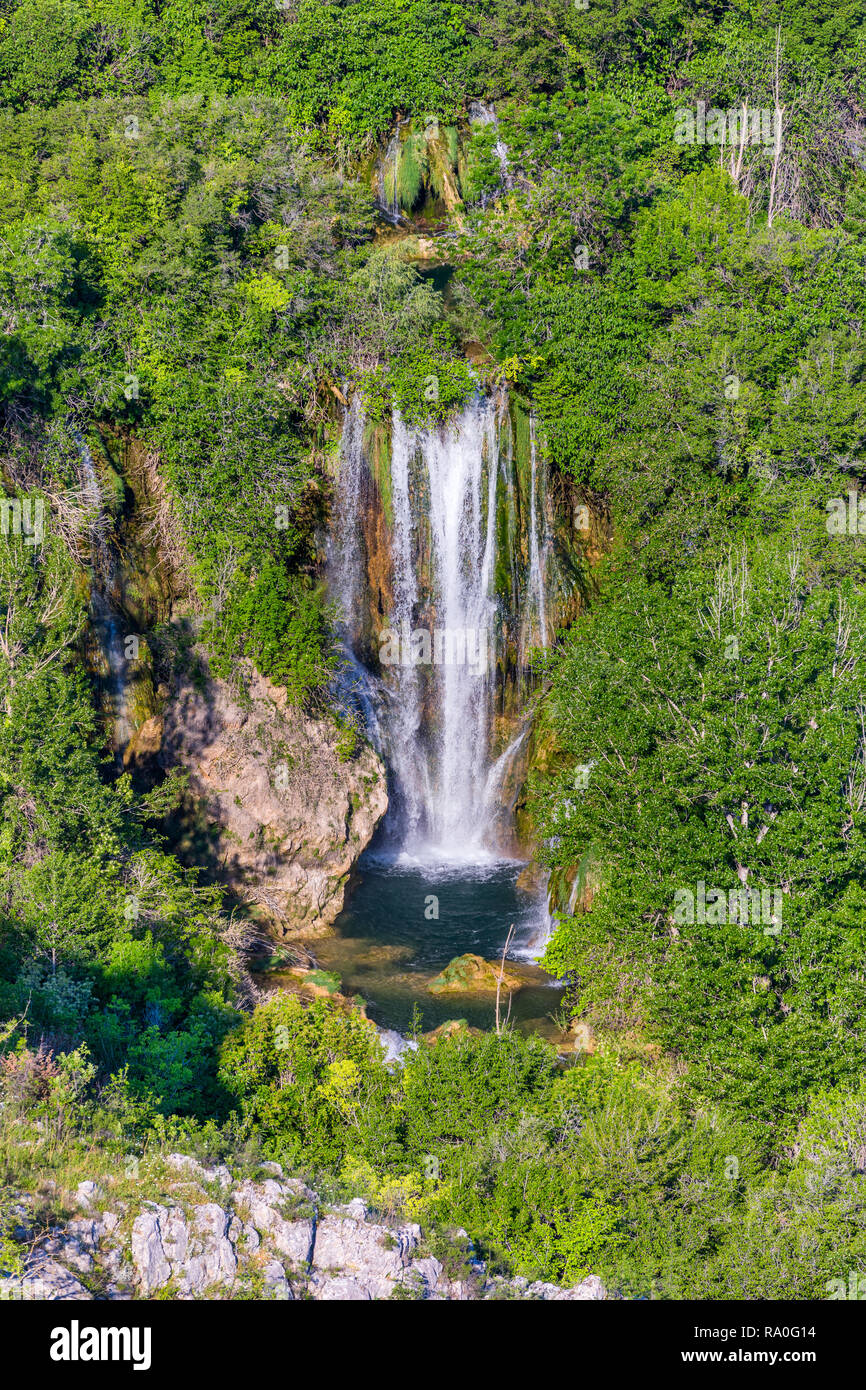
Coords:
472,973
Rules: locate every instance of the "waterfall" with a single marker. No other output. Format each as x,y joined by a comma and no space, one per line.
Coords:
538,931
480,114
408,758
429,702
537,549
104,617
344,542
456,462
389,203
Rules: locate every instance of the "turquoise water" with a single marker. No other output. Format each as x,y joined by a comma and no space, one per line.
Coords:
403,922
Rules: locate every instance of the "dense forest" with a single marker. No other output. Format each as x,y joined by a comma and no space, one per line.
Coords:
660,242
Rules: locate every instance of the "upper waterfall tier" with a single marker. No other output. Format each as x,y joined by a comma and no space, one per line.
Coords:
448,564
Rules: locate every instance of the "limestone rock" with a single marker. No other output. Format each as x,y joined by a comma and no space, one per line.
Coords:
292,817
261,1240
590,1288
343,1289
148,1256
48,1281
87,1193
261,1203
374,1256
181,1163
276,1284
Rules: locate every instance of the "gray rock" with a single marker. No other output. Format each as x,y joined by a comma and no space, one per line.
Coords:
219,1174
148,1255
68,1249
217,1261
591,1288
277,1285
182,1163
429,1272
374,1256
357,1209
48,1281
87,1193
258,1203
254,1242
343,1289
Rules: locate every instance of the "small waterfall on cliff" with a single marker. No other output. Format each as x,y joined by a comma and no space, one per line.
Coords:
538,548
389,203
405,747
428,695
480,114
345,566
104,617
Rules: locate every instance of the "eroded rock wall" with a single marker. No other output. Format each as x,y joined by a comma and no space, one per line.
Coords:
287,814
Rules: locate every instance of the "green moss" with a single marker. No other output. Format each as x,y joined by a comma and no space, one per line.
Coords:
411,168
325,979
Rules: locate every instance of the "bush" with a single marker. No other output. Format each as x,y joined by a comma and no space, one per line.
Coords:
283,627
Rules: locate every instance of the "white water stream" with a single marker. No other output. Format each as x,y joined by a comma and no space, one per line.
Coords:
430,711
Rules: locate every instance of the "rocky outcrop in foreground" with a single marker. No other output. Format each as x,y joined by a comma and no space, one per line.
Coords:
269,1238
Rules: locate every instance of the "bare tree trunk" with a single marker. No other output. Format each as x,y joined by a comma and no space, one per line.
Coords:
499,981
737,168
777,128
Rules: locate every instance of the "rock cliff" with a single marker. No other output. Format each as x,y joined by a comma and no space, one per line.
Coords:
287,815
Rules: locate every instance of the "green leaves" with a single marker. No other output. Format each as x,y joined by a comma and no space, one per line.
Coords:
282,626
286,1067
722,724
41,46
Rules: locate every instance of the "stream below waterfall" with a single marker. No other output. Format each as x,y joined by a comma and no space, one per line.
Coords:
388,944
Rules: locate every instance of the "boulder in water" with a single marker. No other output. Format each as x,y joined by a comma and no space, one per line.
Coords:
472,973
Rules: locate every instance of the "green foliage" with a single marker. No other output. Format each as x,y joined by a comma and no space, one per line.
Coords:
187,258
41,47
302,1077
282,626
720,721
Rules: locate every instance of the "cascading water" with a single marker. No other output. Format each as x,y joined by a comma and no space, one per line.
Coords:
105,619
438,560
389,203
480,114
538,548
345,567
431,703
461,473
